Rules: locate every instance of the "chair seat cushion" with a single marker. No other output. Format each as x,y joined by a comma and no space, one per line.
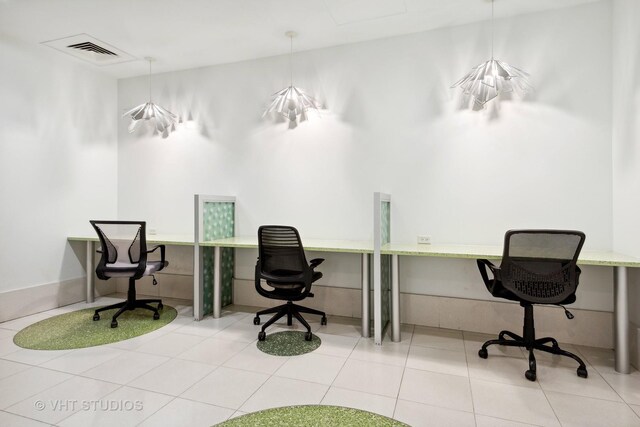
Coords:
500,291
125,269
293,286
287,290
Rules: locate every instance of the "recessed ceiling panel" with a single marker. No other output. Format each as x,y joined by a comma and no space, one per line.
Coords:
350,11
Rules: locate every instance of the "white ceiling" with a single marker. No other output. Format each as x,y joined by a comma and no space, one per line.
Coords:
184,34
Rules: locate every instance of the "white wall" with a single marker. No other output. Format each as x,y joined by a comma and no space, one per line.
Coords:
626,137
58,145
392,124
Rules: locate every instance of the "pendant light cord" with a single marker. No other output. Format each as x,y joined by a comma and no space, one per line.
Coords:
291,61
492,30
149,80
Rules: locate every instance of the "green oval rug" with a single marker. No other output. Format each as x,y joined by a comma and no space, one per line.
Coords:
312,415
78,330
288,343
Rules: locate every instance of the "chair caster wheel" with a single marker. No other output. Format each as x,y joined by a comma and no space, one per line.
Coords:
160,306
483,353
114,323
156,315
262,335
96,317
256,320
323,321
308,336
531,376
582,372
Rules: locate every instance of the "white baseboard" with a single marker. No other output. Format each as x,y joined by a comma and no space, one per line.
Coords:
23,302
591,328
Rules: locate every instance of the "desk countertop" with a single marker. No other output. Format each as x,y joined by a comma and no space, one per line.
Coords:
156,239
603,258
318,245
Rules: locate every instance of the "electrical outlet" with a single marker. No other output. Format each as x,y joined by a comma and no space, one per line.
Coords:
151,231
424,239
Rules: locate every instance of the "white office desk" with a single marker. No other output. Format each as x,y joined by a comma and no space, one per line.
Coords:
317,245
619,262
152,239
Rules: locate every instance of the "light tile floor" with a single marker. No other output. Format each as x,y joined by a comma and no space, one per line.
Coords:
200,373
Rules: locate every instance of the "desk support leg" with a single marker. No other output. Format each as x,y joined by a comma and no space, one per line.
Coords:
621,313
217,288
395,299
90,272
366,316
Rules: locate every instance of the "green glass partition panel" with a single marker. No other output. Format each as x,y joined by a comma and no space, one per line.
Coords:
385,222
385,264
372,293
218,221
381,265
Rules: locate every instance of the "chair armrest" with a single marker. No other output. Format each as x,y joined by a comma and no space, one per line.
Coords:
483,264
162,252
316,262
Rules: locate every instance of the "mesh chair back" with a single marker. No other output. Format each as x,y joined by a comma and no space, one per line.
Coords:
539,266
121,241
280,250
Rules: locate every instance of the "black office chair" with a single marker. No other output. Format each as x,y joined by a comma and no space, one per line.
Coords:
282,263
124,254
538,267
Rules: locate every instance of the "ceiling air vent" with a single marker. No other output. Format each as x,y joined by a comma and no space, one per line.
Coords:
90,49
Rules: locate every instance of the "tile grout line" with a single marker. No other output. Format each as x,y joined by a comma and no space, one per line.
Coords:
38,392
216,368
466,361
219,366
549,403
346,359
124,351
76,412
616,391
23,416
157,410
404,368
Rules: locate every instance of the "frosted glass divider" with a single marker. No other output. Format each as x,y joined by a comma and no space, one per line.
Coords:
199,284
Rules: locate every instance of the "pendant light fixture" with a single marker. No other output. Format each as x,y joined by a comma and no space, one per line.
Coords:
162,118
491,78
291,102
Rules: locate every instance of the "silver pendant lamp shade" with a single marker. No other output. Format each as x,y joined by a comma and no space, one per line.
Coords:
491,78
291,102
161,117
